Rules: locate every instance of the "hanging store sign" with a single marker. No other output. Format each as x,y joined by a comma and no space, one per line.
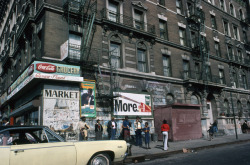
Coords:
132,104
88,103
45,70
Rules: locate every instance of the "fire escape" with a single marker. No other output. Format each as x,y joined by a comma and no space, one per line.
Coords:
200,46
81,15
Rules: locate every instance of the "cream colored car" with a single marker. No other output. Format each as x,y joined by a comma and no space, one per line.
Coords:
38,145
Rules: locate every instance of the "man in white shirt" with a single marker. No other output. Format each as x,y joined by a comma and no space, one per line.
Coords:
112,127
138,128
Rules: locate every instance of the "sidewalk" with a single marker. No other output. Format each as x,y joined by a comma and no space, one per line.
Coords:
140,154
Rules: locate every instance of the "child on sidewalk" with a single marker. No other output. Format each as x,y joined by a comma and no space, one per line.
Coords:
146,129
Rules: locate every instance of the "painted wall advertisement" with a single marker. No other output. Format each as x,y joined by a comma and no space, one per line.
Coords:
61,107
132,104
88,103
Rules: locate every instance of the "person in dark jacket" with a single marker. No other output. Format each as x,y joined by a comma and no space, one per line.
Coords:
98,130
112,127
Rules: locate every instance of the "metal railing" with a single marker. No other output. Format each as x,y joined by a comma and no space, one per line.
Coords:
127,21
238,59
195,75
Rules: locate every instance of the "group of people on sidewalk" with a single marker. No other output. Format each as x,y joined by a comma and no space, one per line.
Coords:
125,133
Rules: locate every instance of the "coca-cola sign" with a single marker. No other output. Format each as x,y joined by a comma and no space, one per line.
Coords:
45,67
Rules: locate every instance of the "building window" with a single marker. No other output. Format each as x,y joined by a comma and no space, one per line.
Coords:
185,69
245,36
179,6
226,28
231,9
226,107
208,73
213,22
241,15
230,53
217,49
244,80
113,10
182,34
189,9
197,71
193,39
194,100
115,52
141,54
166,66
236,32
74,46
221,76
234,80
138,16
163,29
239,108
240,55
161,2
222,5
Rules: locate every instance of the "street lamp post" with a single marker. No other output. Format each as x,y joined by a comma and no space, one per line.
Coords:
234,115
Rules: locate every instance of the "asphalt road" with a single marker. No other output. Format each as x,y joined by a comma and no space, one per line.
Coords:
236,154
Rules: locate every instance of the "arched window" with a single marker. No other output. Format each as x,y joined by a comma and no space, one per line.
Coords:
231,9
241,15
169,99
194,99
226,107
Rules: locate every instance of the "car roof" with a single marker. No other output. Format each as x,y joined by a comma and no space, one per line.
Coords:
21,127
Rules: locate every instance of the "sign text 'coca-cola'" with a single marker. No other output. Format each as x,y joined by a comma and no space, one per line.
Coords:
45,67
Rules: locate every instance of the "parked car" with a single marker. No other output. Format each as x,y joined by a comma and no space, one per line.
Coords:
37,145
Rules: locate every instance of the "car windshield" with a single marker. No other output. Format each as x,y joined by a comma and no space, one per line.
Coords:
26,136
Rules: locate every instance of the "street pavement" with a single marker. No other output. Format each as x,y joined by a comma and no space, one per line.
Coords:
232,154
140,154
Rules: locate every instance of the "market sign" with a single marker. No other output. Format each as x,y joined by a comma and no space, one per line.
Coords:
88,103
132,104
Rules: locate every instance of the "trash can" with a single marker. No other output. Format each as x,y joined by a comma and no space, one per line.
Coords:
154,137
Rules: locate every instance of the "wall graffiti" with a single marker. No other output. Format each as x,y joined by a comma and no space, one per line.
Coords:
61,109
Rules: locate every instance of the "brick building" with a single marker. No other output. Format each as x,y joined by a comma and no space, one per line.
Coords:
158,51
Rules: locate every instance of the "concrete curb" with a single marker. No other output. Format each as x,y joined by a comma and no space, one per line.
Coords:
142,158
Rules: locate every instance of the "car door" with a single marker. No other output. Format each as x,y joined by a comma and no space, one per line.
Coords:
48,152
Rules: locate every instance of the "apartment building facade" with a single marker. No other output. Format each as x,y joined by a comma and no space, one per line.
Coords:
148,52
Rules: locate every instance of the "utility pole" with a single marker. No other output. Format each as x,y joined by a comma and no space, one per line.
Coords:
234,115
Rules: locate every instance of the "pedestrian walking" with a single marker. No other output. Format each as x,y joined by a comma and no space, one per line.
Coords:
210,133
146,129
126,129
83,127
164,129
214,125
244,127
138,129
98,130
112,127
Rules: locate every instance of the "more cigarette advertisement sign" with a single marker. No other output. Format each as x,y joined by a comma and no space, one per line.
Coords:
88,103
132,104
